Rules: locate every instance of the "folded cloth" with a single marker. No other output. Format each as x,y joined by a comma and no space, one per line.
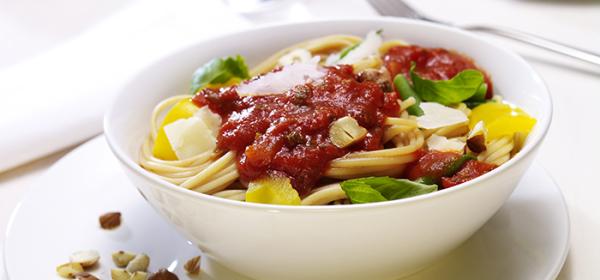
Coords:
57,99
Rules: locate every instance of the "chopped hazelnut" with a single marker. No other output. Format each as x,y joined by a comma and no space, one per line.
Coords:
119,274
139,263
68,270
163,274
110,220
139,275
122,258
87,258
345,132
476,143
85,276
192,266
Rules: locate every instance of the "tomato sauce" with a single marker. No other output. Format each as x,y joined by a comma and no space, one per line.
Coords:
431,63
437,167
289,132
471,170
433,165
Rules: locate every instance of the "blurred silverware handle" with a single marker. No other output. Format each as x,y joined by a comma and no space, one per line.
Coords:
560,48
399,8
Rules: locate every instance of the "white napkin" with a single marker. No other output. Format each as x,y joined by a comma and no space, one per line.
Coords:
57,99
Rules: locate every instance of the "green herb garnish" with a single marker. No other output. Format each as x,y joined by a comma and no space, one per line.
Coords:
376,189
461,87
478,98
219,71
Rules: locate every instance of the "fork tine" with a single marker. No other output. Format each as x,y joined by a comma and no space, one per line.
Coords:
400,5
394,8
379,6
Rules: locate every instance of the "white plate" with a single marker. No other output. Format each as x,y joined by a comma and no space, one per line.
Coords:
526,239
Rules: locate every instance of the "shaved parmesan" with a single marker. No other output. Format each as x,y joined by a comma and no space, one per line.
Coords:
210,119
437,115
295,56
369,46
478,129
283,80
443,144
332,59
190,137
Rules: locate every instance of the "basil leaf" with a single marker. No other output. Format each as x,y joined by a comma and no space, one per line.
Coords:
392,188
427,180
361,193
458,89
373,189
474,104
479,94
219,71
478,98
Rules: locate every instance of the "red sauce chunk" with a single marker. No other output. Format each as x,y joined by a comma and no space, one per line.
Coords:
289,132
432,165
471,170
431,63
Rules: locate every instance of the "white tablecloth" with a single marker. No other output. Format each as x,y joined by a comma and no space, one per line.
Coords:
47,49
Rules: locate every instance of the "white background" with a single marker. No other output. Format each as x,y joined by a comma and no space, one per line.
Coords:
57,52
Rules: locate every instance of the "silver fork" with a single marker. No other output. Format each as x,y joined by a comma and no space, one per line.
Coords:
399,8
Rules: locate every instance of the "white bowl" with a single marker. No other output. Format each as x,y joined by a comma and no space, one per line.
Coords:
368,241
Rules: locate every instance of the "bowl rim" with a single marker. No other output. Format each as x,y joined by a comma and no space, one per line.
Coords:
543,122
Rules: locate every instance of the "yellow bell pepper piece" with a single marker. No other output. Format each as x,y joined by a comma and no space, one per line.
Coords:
182,110
501,119
272,190
487,112
509,125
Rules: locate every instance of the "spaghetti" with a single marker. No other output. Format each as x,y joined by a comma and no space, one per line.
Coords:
377,140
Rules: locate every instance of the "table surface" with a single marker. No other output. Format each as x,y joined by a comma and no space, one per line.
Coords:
569,152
